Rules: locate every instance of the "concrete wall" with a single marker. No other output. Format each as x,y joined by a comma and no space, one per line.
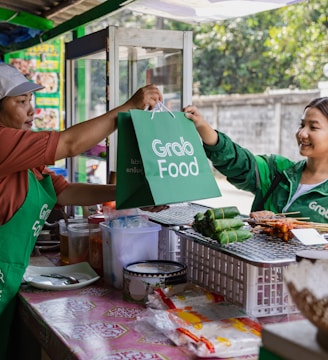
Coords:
263,123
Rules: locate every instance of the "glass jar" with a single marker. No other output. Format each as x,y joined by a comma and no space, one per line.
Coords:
95,243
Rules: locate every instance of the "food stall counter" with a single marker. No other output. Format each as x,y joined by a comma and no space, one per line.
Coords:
93,322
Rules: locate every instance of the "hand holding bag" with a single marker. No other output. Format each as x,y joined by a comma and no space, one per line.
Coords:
160,160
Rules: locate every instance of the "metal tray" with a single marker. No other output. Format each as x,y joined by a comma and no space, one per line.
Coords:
176,214
260,250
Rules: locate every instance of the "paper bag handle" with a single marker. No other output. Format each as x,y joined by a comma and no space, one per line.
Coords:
158,107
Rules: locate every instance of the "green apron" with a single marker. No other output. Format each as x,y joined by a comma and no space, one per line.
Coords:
17,240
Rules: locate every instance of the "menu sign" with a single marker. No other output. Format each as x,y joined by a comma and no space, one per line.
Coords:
43,64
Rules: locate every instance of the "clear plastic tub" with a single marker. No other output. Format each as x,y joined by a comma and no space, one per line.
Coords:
122,246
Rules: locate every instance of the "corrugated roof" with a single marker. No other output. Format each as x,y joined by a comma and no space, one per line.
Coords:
57,11
27,22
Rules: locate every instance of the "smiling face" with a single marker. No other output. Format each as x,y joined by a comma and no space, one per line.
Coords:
312,135
17,111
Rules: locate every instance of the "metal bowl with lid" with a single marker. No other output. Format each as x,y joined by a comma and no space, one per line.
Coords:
142,277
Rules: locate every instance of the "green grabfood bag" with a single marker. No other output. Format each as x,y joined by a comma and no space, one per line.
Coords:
162,162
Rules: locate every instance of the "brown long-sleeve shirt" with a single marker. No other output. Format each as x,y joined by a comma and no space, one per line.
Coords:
21,150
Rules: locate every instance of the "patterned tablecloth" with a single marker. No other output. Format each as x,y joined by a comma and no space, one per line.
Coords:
93,323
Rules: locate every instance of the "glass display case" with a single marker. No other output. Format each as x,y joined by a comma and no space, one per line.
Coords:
105,68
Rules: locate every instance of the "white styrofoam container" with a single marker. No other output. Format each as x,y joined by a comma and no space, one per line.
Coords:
122,246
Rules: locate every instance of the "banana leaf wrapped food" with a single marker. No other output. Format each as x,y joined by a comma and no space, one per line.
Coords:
207,219
218,225
200,222
227,212
221,224
234,235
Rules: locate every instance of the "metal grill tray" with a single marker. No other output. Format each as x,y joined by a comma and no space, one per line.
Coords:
181,214
260,250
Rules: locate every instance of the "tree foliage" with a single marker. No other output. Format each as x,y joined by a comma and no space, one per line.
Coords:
284,48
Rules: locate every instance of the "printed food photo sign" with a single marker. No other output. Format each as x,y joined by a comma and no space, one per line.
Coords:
43,64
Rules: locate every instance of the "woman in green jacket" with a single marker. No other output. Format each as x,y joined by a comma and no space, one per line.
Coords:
301,186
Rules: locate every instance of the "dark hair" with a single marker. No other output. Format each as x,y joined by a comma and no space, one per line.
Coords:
319,103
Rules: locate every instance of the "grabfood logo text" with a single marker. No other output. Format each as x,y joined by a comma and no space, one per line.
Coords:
319,209
43,216
166,164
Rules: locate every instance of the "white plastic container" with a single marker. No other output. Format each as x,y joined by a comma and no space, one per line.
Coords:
122,246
